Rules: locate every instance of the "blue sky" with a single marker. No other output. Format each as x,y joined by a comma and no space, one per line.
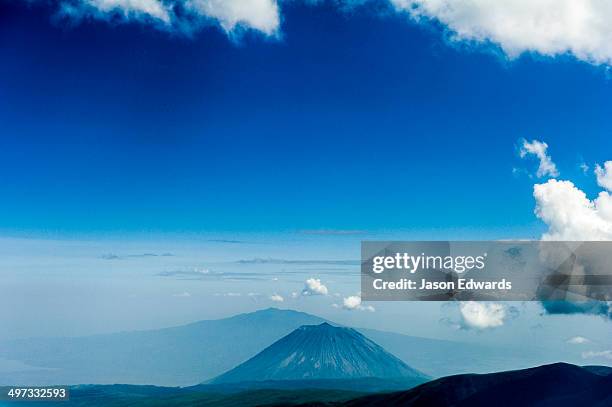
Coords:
343,120
218,138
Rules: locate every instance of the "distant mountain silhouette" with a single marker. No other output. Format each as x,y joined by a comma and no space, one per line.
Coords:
557,385
188,354
176,356
320,352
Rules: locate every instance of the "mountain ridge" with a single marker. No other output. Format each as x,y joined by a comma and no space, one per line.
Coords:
557,384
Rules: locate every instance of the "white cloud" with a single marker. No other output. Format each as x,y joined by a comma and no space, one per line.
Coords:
183,294
538,148
548,27
604,175
146,11
578,340
353,302
228,295
261,15
607,354
570,214
313,286
277,298
482,315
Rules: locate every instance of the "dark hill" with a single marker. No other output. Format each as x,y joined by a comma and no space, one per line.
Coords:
557,385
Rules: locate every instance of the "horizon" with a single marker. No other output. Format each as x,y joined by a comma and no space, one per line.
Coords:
172,162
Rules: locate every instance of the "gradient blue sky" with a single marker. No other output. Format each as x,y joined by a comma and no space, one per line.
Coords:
125,139
349,120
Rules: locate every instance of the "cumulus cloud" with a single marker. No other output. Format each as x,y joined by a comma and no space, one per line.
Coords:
578,340
277,298
547,27
604,175
570,214
538,148
313,286
482,315
606,354
353,302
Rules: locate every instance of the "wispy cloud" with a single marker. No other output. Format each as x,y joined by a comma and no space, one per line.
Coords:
112,256
229,294
578,340
229,241
301,262
333,232
539,149
604,175
605,354
205,274
185,16
584,167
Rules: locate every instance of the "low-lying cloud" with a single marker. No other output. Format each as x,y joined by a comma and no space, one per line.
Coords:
604,354
314,286
353,302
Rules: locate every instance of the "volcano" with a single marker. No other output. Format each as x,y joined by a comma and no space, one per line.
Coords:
320,352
